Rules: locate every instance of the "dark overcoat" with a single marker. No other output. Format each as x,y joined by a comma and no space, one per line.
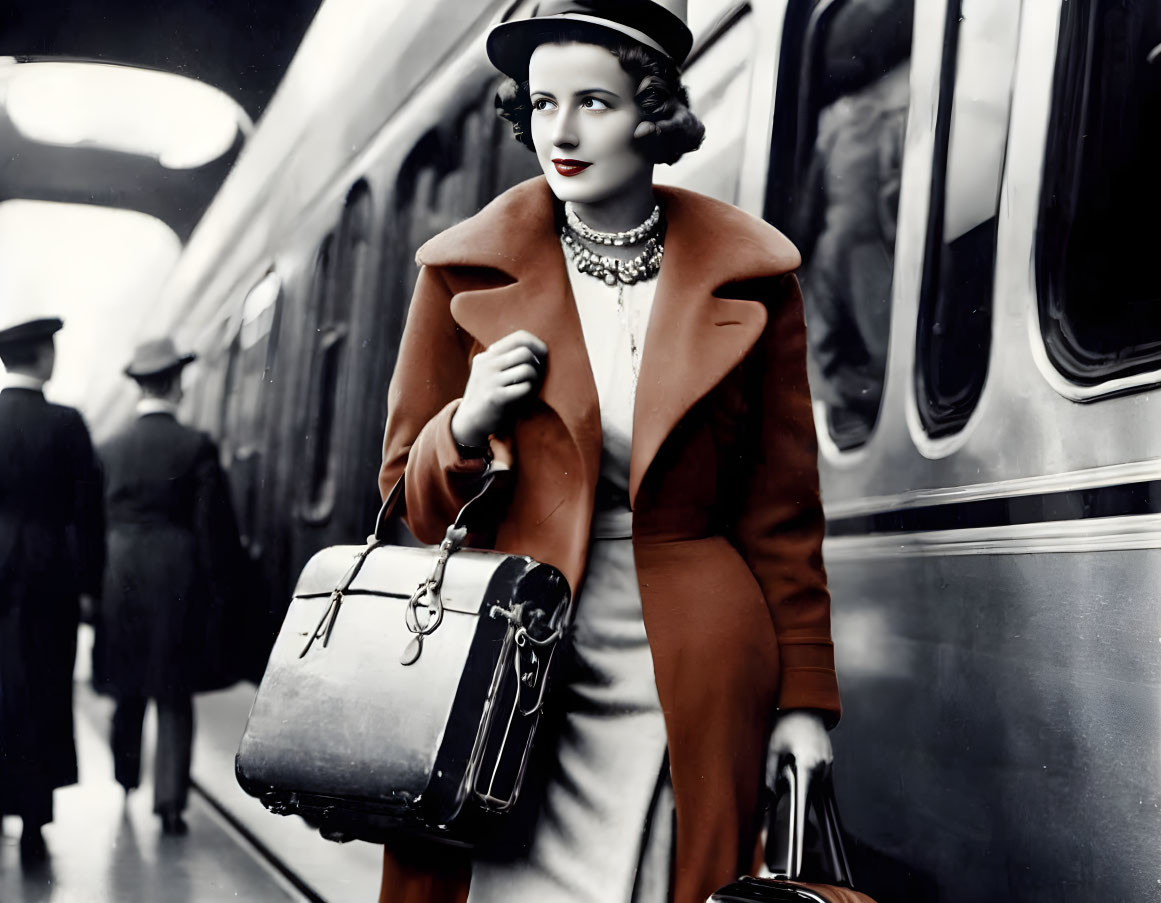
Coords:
727,521
174,559
51,550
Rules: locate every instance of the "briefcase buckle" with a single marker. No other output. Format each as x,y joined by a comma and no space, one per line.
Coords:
429,595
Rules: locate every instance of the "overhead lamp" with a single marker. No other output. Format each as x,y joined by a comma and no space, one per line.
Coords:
182,122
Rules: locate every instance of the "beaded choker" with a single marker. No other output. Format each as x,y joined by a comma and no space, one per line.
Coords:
612,270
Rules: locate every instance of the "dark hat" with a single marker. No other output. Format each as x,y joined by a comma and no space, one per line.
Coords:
156,357
659,24
30,331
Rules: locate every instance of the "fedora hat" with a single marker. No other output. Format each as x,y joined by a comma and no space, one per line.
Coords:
658,24
30,331
155,357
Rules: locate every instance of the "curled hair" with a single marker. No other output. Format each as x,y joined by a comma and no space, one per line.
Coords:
661,97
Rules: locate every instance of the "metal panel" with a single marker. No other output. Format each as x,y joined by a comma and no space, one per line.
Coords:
1001,726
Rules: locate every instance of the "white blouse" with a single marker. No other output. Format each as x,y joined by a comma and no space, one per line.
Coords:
614,332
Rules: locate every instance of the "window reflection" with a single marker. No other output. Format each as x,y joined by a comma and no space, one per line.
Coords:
852,116
250,365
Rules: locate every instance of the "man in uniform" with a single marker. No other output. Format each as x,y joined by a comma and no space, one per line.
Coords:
174,560
51,552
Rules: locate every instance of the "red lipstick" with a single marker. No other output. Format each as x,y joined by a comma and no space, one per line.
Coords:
568,167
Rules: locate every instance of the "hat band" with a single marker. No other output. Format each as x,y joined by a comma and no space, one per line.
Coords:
634,33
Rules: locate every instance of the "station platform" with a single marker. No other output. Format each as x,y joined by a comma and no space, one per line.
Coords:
106,848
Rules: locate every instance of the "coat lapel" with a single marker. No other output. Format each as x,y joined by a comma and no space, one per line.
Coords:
696,334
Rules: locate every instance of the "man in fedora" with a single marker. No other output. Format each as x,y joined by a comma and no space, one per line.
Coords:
174,555
51,553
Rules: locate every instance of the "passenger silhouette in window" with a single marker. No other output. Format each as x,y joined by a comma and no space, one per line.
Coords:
850,211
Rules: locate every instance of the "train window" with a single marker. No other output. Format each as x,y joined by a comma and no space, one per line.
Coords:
206,393
836,159
340,278
350,278
323,384
955,306
1098,291
251,359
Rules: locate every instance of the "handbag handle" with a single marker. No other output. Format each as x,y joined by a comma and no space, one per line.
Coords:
785,841
426,596
397,495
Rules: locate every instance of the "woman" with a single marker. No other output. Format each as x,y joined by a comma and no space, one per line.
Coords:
634,357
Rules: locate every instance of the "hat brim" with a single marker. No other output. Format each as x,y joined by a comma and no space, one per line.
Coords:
510,44
145,372
30,332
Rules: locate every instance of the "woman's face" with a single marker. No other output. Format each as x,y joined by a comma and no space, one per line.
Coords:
583,118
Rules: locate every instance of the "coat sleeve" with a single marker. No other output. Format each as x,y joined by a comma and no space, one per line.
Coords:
780,526
88,521
219,545
430,374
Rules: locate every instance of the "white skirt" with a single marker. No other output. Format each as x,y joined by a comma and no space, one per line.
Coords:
605,830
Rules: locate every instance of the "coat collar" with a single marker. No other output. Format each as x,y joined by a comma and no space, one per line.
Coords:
150,406
20,381
697,332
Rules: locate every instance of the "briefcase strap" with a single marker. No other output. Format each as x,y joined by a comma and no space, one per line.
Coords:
326,623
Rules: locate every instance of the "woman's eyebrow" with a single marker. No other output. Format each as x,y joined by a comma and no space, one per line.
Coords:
596,91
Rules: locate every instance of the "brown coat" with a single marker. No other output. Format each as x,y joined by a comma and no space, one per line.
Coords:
727,525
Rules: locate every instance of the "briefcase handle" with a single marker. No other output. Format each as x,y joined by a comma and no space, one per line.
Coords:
785,841
427,598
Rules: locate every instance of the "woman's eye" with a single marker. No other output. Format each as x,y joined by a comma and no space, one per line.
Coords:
593,103
541,104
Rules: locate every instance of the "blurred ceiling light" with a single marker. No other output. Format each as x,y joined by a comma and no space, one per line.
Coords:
182,122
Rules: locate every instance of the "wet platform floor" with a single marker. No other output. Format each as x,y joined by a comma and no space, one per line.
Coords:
104,848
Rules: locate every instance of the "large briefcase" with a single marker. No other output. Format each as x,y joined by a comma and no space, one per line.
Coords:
785,843
404,688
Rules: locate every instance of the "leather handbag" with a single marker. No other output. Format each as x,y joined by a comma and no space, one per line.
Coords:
785,844
404,689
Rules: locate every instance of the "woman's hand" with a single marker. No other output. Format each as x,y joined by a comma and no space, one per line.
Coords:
802,734
502,375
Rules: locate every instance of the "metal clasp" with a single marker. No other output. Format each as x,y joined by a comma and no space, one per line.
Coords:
429,596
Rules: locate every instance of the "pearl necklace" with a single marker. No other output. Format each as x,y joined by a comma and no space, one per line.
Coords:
612,270
620,239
